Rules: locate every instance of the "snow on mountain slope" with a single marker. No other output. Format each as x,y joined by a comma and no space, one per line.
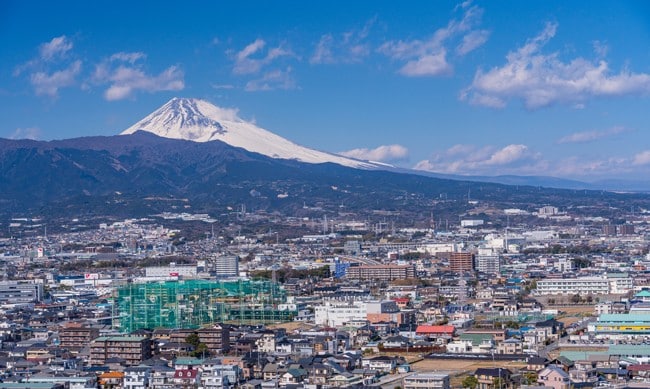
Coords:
200,121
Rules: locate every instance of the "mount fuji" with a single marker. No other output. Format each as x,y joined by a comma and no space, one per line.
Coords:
200,121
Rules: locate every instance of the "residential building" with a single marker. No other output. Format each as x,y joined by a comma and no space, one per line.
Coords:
554,377
380,272
77,337
335,314
426,381
132,349
461,262
493,378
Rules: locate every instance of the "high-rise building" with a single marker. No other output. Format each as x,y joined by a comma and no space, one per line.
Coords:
625,229
226,266
461,262
609,230
490,264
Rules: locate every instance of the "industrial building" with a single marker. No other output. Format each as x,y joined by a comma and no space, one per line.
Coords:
621,325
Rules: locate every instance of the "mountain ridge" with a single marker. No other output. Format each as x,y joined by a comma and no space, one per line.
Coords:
201,121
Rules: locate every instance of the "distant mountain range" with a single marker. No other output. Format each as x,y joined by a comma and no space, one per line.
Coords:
200,121
228,162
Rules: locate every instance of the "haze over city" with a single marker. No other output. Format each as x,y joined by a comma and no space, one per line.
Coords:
483,88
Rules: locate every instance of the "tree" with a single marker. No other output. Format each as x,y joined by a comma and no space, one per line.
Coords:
530,378
575,298
470,382
498,382
200,348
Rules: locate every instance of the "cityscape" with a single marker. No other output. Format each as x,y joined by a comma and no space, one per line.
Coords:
486,226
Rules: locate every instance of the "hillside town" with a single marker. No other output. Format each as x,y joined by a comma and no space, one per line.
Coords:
341,304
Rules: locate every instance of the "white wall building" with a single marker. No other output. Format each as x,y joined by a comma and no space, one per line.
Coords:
172,270
334,314
226,266
585,285
427,381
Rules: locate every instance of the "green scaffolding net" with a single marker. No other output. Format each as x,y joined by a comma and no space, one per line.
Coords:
198,303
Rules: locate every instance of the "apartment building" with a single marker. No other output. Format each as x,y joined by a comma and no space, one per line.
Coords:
132,349
381,272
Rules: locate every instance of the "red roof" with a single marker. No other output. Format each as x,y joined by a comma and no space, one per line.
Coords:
401,299
435,330
642,367
186,374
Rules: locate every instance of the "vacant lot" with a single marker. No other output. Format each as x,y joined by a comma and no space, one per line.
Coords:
459,369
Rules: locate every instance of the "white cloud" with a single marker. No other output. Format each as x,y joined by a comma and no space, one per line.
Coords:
544,79
48,84
54,68
386,153
642,158
128,57
26,133
519,159
55,48
472,41
247,62
600,48
223,86
508,155
589,136
429,57
272,80
125,75
428,65
490,160
348,47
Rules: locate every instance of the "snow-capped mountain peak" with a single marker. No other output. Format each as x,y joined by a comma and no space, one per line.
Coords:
200,121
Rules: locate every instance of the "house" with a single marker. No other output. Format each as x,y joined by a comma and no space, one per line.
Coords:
536,363
427,380
554,377
162,377
510,346
382,363
292,376
111,379
492,378
187,378
137,377
435,332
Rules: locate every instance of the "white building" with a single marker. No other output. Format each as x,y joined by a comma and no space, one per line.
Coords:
226,266
471,223
137,377
173,270
548,211
335,314
585,285
488,263
427,381
20,292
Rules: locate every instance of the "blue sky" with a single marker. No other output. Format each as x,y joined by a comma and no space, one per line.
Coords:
509,87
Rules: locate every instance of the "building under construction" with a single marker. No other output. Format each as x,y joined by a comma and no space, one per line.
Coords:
198,303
